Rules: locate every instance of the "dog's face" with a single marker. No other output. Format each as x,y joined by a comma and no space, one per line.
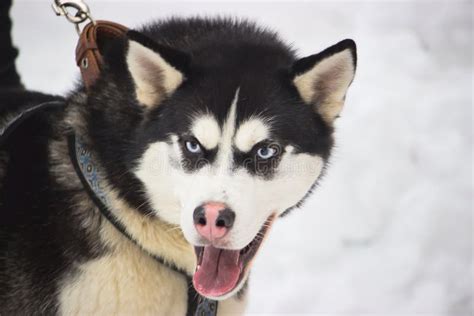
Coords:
228,144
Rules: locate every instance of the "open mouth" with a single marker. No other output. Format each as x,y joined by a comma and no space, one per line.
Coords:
220,271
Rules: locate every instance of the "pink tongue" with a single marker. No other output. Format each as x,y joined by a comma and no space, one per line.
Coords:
218,272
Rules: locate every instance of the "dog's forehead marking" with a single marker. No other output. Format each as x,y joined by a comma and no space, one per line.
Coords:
207,131
228,130
251,132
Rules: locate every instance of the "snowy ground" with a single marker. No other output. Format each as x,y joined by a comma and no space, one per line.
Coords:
390,229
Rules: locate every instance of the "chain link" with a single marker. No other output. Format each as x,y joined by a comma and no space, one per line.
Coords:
67,7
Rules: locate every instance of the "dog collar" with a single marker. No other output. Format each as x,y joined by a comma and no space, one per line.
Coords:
83,162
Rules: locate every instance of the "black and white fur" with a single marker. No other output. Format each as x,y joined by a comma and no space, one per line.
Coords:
229,85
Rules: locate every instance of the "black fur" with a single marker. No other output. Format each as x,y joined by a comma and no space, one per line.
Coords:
304,64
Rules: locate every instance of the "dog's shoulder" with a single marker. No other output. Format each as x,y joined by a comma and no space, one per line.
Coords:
29,247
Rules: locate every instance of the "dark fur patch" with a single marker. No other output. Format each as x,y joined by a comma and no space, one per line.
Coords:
41,234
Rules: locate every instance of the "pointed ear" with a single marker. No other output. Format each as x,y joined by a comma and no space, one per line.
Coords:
157,71
322,79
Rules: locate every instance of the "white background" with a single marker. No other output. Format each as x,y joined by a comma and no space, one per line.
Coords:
389,231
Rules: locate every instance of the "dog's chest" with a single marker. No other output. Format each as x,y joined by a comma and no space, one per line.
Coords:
123,283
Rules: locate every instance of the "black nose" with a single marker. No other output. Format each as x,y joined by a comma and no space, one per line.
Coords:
225,218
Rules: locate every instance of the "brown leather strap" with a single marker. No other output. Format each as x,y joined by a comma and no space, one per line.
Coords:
88,54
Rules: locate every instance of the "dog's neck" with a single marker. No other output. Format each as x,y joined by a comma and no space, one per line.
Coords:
161,240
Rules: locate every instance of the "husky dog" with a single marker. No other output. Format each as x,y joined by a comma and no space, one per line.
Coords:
199,134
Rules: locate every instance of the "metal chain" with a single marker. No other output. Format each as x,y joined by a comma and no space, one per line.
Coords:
66,8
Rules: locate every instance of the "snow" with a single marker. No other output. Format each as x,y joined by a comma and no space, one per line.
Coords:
389,230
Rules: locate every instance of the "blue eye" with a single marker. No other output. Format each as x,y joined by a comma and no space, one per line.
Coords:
193,147
266,152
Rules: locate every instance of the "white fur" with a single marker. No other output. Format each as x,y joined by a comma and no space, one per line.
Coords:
154,235
124,282
157,173
334,74
224,156
175,193
207,131
250,133
154,78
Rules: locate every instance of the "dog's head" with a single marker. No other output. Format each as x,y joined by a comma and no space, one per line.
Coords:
220,135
